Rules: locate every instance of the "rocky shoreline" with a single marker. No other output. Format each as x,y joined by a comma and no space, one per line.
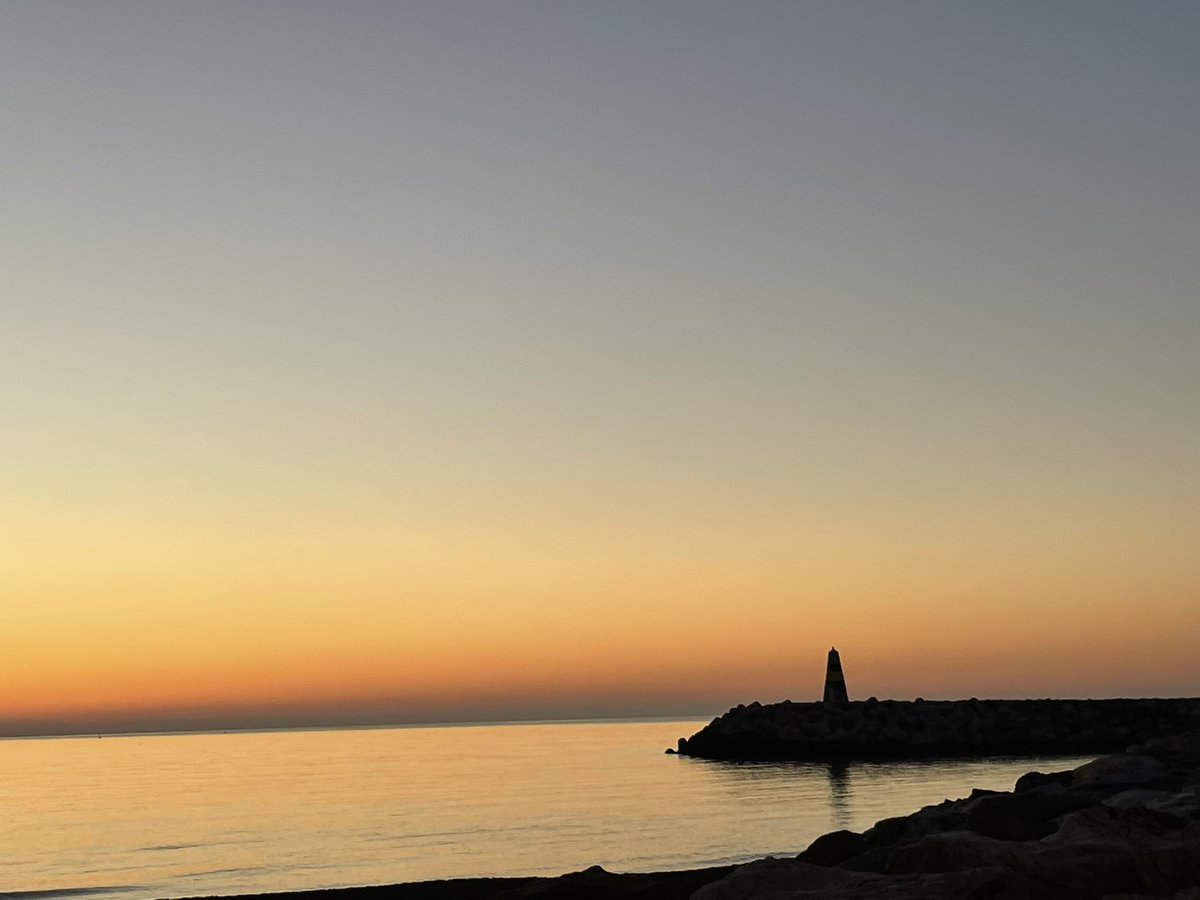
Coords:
898,729
1122,827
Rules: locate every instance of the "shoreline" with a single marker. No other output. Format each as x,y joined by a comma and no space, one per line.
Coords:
594,881
349,726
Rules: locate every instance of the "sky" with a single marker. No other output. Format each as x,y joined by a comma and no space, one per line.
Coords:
404,362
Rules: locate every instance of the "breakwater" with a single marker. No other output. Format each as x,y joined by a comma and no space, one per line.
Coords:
905,729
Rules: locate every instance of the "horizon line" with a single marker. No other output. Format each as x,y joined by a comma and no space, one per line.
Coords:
351,726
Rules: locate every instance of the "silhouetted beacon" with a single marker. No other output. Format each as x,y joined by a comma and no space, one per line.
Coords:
835,682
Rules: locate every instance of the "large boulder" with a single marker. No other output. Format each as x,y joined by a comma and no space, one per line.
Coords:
1183,803
1133,826
1118,769
957,851
1031,780
949,815
833,848
1026,816
1087,871
1180,752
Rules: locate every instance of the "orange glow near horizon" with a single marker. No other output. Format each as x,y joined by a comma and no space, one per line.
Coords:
366,623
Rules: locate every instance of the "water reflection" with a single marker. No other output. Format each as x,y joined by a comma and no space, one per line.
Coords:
855,795
812,784
839,793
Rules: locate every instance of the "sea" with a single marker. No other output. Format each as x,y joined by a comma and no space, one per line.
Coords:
139,817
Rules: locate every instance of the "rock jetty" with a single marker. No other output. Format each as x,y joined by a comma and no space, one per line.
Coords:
900,729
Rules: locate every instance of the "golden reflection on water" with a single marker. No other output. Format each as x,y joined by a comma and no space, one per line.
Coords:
177,815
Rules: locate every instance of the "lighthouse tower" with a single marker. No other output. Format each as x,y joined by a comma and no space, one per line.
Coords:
835,682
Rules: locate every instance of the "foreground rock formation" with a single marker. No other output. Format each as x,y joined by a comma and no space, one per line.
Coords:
1121,827
890,729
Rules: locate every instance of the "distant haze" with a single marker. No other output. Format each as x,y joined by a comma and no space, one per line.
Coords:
373,362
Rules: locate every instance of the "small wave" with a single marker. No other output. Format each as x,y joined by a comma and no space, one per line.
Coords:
234,870
157,847
68,892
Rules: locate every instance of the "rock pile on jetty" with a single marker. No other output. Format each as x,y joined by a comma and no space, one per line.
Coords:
1121,827
896,729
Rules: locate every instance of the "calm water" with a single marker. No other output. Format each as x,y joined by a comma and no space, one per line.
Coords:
129,818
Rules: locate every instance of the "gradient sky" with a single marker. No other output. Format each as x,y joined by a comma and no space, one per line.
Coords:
434,361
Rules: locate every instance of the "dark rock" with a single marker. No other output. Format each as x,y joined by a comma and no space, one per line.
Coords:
770,876
873,860
1031,780
1180,752
950,815
1026,816
888,831
1135,826
977,884
957,851
1184,804
833,848
1121,768
1085,872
